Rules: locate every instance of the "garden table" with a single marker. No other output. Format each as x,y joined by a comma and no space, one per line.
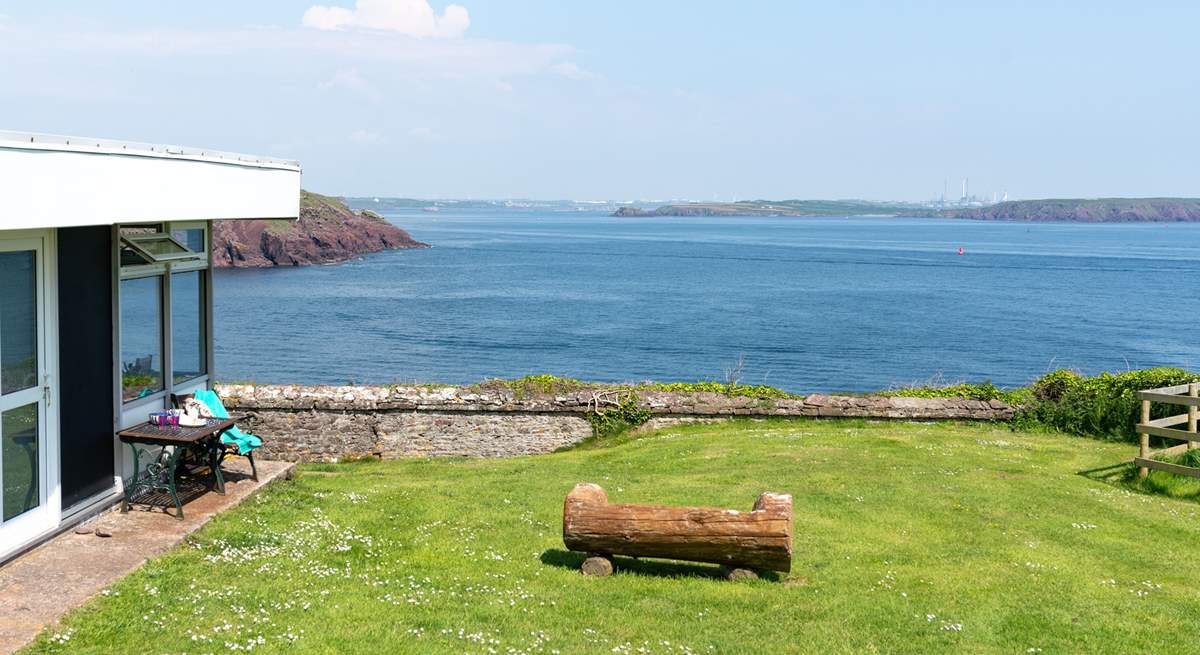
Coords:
159,474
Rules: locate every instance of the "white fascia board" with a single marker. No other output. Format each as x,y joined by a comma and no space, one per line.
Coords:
56,184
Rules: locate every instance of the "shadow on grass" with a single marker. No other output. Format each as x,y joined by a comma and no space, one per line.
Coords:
647,567
1158,483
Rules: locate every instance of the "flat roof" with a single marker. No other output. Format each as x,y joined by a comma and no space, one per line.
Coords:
34,141
65,181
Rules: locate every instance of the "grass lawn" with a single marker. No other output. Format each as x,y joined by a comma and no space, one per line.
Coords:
908,538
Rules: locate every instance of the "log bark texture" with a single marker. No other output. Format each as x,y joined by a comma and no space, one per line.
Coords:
760,539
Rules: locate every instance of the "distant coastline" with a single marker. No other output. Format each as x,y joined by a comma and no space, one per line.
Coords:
1076,210
780,208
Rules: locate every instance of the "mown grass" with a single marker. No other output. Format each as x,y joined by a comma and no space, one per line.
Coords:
910,538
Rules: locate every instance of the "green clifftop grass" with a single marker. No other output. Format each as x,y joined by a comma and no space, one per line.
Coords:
909,538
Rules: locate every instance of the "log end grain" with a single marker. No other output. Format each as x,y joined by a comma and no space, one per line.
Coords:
586,493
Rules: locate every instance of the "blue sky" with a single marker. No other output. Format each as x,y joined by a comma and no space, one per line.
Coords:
621,99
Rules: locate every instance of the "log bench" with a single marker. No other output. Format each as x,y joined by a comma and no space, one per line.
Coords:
741,542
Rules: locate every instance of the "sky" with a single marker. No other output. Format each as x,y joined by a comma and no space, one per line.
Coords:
627,99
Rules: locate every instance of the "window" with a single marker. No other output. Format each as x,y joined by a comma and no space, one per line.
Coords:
141,337
18,321
163,308
190,236
188,325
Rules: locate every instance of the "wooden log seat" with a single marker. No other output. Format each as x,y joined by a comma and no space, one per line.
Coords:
758,540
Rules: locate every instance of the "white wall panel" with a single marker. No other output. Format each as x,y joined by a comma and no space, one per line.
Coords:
59,188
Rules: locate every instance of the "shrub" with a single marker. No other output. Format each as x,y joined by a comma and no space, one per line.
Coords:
1056,384
613,420
1104,406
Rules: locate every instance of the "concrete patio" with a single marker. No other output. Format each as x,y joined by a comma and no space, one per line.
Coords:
40,586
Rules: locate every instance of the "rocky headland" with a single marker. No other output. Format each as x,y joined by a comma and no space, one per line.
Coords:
327,231
1087,210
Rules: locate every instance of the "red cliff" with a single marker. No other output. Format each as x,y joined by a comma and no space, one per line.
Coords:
327,231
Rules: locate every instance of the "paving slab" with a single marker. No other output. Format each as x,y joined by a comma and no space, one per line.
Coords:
39,587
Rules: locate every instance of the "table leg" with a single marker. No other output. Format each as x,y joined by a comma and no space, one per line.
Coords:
133,482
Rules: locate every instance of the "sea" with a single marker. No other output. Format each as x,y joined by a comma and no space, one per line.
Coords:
804,304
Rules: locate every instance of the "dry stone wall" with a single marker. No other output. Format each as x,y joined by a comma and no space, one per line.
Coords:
327,423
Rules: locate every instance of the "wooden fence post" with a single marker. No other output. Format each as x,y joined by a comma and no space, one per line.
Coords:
1193,411
1145,439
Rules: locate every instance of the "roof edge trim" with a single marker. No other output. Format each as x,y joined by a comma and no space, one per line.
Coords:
54,142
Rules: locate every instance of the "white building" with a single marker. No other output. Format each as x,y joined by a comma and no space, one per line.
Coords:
105,305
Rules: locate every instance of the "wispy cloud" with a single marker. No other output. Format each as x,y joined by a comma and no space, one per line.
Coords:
572,71
364,136
404,57
350,79
411,17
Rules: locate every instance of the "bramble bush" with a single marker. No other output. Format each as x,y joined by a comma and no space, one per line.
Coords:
1104,406
613,421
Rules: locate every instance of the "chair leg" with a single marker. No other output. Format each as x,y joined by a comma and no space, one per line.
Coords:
172,461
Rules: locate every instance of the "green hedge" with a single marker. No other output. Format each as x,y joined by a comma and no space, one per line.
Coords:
1104,406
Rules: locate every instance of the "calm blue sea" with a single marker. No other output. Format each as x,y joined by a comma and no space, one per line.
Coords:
811,304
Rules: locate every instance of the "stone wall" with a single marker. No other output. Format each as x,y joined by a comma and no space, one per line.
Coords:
324,423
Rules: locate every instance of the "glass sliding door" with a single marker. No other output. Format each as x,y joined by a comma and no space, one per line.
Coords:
25,394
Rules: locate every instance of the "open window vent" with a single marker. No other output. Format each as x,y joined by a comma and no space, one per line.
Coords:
155,248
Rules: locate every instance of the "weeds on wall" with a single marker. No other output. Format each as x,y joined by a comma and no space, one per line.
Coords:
534,385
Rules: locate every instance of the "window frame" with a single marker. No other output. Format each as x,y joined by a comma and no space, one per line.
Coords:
201,262
136,243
